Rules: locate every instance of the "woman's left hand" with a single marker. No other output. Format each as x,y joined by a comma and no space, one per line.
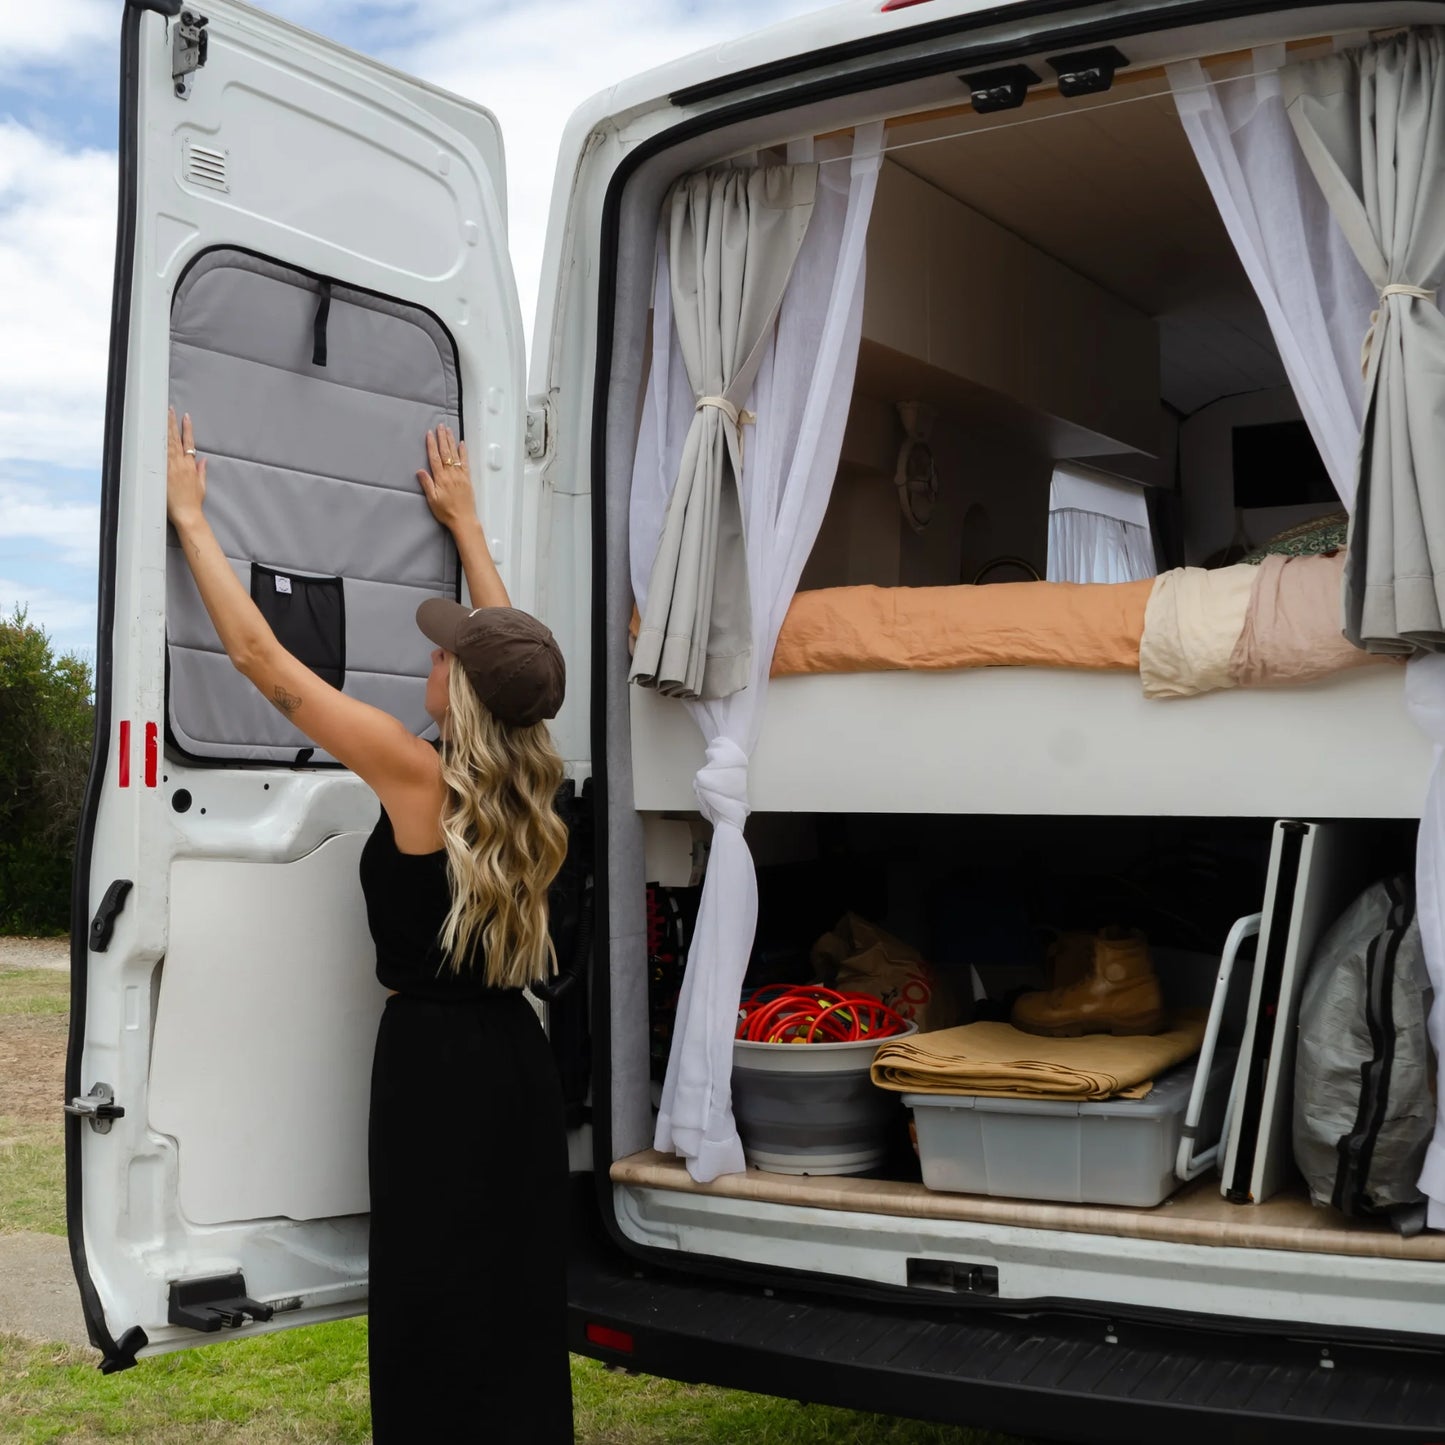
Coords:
448,483
185,473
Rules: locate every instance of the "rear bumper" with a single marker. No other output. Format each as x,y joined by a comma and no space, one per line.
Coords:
1049,1377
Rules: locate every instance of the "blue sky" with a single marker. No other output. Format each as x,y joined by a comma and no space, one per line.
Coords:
531,63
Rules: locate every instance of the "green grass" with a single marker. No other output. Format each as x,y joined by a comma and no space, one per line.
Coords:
300,1385
308,1386
32,1179
33,991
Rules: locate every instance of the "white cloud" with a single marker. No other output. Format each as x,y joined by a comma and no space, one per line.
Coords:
64,530
57,239
70,621
58,33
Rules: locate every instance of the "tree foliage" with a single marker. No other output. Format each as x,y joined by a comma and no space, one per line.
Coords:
47,720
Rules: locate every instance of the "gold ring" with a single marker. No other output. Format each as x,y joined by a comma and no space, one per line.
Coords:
190,451
451,461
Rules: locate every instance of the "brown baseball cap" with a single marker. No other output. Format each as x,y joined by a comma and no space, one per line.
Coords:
510,658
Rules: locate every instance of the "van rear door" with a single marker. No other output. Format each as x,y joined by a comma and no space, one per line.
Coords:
311,260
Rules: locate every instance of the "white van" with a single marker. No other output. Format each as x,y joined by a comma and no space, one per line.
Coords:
311,259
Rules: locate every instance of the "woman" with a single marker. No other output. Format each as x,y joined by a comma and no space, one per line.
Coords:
468,1159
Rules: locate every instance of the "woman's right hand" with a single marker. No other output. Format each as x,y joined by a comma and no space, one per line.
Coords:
185,473
448,485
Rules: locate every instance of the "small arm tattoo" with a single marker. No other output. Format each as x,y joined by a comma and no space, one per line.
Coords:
288,702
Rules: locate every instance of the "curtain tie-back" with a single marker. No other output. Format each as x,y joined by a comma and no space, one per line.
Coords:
721,784
735,415
1395,288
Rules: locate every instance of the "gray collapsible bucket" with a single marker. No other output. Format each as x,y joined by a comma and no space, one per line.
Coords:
812,1108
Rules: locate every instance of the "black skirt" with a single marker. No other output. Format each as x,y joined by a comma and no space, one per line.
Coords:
468,1165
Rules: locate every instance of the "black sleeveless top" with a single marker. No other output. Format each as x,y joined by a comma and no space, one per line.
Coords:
408,898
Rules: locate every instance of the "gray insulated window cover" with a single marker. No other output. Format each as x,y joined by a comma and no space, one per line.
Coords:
310,404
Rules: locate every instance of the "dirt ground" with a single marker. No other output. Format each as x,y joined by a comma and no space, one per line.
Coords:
32,1069
32,1045
34,953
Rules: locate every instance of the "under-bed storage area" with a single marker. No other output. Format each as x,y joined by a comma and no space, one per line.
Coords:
952,919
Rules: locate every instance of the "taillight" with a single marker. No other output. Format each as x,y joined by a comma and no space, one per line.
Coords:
609,1338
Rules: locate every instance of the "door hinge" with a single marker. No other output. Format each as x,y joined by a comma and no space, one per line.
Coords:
207,1304
189,43
539,430
98,1106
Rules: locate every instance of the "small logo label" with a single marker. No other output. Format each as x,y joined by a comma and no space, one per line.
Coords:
283,584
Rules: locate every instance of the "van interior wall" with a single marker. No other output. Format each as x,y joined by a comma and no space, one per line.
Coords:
1212,520
1056,291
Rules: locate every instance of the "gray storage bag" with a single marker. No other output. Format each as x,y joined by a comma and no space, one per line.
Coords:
1363,1106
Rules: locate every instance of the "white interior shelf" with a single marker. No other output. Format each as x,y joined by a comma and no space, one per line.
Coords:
1042,741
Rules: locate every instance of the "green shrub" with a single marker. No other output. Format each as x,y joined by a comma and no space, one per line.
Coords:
47,720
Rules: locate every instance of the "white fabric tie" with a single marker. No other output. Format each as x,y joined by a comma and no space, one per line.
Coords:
735,415
721,784
1395,288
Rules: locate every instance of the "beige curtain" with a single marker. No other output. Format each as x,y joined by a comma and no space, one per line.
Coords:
1371,123
733,236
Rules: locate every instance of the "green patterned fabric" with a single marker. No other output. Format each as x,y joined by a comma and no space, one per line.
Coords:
1324,534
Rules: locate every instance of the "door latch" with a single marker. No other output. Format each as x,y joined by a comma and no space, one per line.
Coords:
103,924
98,1106
208,1304
189,43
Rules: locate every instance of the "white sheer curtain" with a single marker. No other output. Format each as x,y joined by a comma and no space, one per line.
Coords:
1085,547
1098,529
1319,301
801,399
1315,294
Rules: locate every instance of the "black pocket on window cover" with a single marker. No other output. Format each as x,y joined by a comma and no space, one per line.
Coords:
308,616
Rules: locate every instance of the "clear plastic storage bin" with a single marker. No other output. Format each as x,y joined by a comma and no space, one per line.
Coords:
1118,1151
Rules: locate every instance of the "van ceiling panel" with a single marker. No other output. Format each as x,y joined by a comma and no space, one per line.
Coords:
1111,188
309,403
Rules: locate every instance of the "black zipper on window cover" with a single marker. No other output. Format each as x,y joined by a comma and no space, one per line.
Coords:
1357,1148
1261,1045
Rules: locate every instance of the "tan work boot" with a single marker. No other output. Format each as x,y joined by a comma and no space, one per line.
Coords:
1070,957
1119,994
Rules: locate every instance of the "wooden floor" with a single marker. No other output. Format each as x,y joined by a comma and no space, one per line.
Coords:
1198,1214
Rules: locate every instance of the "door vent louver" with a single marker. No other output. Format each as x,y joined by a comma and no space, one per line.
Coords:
205,166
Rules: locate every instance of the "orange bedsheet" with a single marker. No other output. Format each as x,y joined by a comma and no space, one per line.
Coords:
1014,624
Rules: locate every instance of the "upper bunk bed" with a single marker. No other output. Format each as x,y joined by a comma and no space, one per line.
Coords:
1046,741
1052,295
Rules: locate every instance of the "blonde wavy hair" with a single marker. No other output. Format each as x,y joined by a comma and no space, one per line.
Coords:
504,841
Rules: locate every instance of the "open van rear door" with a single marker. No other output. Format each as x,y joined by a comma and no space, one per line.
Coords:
311,260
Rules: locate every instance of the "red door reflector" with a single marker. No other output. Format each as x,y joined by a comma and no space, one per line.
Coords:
123,768
609,1338
152,753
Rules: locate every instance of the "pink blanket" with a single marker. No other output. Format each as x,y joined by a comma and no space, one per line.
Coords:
1292,628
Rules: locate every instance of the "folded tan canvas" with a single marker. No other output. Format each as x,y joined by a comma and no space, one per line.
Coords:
1001,1061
